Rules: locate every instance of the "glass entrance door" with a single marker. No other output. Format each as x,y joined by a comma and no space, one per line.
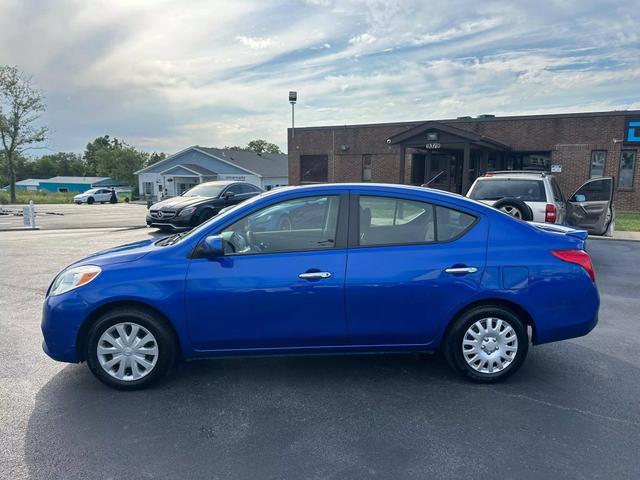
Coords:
446,171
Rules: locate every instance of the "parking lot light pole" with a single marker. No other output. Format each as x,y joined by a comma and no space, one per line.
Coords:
293,97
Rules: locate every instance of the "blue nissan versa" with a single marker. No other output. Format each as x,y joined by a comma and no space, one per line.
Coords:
355,268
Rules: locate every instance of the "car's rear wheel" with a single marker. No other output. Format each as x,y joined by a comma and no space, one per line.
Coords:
90,200
487,343
130,348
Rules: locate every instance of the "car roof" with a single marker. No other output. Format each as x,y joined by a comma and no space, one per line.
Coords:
519,176
363,188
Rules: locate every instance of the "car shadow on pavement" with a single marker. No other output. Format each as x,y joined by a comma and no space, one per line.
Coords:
390,416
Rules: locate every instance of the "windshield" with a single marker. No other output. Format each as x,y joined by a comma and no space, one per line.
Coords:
204,190
93,190
497,188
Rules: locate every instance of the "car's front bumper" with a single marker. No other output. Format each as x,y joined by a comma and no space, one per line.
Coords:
176,223
62,316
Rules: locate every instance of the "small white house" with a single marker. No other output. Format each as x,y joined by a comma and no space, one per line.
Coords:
191,166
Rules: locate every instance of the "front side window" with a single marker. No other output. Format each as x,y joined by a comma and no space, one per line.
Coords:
307,223
314,168
598,161
497,188
393,221
594,191
627,169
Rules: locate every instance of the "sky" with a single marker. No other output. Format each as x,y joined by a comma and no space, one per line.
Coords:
163,74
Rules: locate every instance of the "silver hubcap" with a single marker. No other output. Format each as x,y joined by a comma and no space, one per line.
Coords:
490,345
513,211
127,351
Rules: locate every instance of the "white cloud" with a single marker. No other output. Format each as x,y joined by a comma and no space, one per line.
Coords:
166,73
258,43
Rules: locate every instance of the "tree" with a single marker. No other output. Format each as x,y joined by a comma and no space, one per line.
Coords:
21,105
114,158
259,146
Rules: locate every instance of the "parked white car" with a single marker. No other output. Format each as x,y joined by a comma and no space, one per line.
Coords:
536,196
102,195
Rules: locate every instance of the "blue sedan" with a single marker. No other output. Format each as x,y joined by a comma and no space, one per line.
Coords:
358,268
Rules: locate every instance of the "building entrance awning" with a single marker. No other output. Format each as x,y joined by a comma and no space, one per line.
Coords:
437,136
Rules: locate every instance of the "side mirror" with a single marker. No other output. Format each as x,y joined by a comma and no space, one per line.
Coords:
579,198
229,194
212,246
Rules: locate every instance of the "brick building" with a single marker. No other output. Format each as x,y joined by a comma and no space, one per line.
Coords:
450,154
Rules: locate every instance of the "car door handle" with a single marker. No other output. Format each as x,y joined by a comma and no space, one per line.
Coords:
312,275
461,270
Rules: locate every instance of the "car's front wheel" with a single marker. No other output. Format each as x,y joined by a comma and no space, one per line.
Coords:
487,343
130,348
90,200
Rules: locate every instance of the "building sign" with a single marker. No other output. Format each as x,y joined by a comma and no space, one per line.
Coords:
556,168
237,178
632,130
432,146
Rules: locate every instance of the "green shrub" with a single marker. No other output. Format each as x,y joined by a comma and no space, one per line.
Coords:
23,197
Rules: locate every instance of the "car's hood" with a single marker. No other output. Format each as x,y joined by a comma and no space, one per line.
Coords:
121,254
81,195
176,203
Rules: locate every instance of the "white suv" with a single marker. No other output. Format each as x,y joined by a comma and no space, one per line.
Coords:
528,195
536,196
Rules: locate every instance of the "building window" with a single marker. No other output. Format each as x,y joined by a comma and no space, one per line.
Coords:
147,188
627,169
366,168
314,168
63,190
598,162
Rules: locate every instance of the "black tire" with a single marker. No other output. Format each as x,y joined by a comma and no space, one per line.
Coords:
205,215
515,207
165,339
453,343
90,200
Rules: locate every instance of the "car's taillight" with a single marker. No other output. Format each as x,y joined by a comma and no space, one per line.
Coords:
550,213
579,257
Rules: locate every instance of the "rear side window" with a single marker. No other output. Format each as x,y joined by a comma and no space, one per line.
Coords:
497,188
557,193
394,221
451,223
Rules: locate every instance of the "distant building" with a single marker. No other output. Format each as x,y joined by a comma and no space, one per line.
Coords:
76,184
196,164
29,184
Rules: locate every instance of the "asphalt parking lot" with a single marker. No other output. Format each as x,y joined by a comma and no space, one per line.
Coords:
72,216
571,412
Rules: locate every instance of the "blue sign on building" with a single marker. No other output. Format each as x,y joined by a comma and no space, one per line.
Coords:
632,130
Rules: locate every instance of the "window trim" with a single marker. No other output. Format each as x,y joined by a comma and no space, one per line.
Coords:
354,222
342,225
604,166
633,171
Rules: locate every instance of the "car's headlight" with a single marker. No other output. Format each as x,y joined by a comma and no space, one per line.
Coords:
73,278
186,211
